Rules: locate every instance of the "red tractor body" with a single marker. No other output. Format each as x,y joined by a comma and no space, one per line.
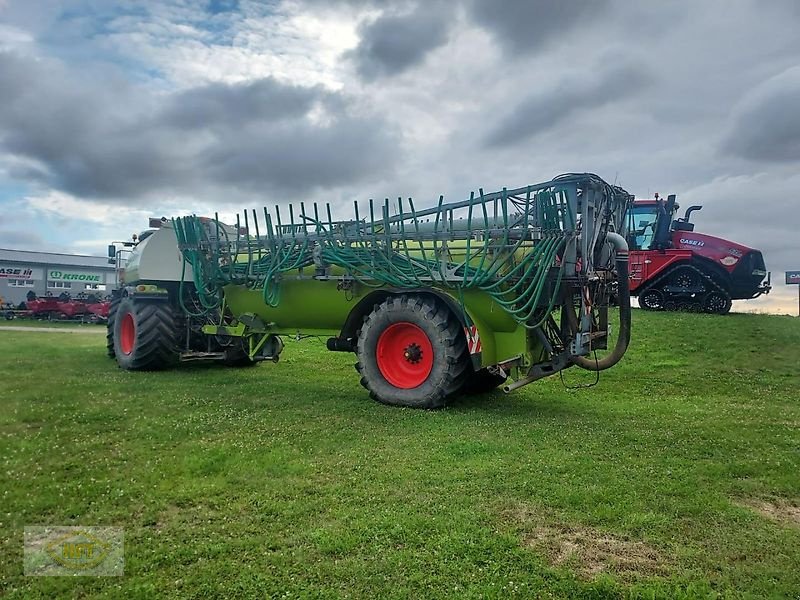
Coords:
672,267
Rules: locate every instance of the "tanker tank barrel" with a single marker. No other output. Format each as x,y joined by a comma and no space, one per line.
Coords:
515,244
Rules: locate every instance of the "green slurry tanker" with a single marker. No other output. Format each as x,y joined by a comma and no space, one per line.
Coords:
434,302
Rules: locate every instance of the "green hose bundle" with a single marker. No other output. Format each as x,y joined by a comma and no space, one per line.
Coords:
510,245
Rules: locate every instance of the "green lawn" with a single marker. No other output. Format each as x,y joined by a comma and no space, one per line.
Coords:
45,323
678,475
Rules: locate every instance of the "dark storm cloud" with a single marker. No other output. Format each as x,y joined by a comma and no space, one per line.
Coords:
263,100
766,125
394,43
342,152
522,26
105,138
544,110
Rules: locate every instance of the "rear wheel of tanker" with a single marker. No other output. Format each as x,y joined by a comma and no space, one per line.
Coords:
112,310
144,335
717,303
411,352
236,356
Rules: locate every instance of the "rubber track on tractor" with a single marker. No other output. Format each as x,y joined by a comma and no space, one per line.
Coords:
450,333
690,302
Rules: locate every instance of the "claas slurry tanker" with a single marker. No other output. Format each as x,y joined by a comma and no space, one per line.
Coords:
673,267
433,302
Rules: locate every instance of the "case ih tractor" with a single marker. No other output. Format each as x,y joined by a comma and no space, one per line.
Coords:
435,302
672,267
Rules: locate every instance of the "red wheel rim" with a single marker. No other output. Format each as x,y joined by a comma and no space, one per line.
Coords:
127,334
405,355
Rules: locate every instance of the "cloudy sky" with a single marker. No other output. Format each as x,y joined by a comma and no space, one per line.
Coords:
111,112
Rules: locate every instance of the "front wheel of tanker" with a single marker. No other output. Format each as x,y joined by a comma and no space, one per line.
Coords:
411,352
110,324
144,335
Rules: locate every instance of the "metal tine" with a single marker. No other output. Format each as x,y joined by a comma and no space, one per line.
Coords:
316,218
273,245
280,229
304,216
216,231
258,234
438,216
372,222
403,238
330,222
416,232
486,238
485,214
469,239
358,220
402,228
238,238
386,231
305,219
249,246
527,209
504,207
230,262
387,243
268,222
291,216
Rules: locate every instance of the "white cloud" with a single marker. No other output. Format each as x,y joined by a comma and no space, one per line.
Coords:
286,43
65,206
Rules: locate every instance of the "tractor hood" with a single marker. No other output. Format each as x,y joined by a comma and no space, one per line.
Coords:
723,252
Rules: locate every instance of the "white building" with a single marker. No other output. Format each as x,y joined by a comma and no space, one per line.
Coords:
22,271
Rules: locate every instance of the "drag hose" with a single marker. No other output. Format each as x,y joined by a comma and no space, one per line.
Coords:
624,337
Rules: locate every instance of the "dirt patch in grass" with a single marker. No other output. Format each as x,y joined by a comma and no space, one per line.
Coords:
587,550
779,510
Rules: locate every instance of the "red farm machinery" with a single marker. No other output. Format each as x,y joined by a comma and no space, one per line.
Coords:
84,307
500,289
673,267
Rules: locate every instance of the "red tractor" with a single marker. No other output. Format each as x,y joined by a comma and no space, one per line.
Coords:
674,268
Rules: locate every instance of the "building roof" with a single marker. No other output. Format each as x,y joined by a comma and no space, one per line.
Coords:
54,258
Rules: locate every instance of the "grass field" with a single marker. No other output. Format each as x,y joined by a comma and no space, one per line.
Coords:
38,323
677,476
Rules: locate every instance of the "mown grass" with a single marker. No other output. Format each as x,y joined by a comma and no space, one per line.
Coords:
45,323
286,480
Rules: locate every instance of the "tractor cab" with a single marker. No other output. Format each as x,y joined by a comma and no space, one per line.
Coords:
651,223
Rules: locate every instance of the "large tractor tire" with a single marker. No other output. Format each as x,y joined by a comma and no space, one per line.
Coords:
112,310
411,352
144,335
